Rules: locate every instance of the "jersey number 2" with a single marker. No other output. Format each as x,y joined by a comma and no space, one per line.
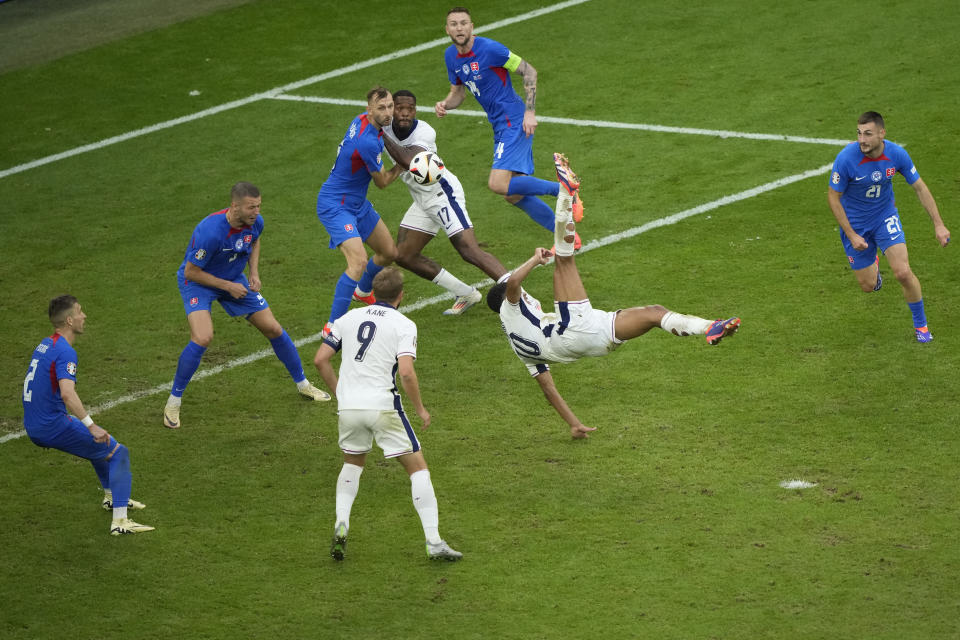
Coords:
27,391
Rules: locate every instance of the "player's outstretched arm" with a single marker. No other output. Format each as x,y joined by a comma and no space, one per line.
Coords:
68,392
322,362
577,429
926,199
411,387
453,100
540,256
833,198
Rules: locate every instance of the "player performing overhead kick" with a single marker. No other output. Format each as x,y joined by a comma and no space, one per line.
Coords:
575,329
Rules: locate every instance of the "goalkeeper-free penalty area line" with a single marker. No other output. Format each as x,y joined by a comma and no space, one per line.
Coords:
426,302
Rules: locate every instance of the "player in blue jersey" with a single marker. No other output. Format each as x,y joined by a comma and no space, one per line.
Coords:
49,392
222,246
861,198
484,66
575,329
344,210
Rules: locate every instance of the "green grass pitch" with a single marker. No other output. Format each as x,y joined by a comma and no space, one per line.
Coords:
669,522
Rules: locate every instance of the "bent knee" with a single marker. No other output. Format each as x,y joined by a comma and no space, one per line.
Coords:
387,256
904,274
202,339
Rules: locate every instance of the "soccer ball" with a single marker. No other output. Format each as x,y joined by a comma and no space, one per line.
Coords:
426,167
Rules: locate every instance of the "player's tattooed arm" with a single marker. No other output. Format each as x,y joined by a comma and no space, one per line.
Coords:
529,75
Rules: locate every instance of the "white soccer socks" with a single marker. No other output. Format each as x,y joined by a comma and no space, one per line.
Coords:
425,502
681,325
564,233
348,484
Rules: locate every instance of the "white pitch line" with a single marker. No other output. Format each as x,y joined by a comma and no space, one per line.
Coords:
607,124
426,302
276,90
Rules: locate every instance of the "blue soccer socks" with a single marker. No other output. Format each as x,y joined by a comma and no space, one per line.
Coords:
342,295
287,353
530,186
366,280
538,210
186,367
919,317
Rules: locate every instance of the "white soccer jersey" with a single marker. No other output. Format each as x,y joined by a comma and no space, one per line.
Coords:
575,331
422,135
370,339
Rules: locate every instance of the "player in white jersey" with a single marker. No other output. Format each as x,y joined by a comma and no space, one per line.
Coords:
576,330
435,206
378,342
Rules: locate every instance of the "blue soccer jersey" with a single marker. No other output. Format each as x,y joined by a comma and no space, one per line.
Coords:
482,72
53,360
358,155
219,249
866,183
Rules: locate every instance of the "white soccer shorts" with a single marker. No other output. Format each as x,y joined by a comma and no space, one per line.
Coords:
391,430
588,331
446,210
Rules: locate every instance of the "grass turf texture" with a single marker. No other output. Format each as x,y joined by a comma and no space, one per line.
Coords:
668,522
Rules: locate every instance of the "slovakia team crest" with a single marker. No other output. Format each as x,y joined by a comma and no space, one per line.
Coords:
248,238
475,66
348,227
876,176
194,301
891,171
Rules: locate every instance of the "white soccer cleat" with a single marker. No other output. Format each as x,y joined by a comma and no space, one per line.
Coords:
171,417
126,526
311,392
442,551
462,303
